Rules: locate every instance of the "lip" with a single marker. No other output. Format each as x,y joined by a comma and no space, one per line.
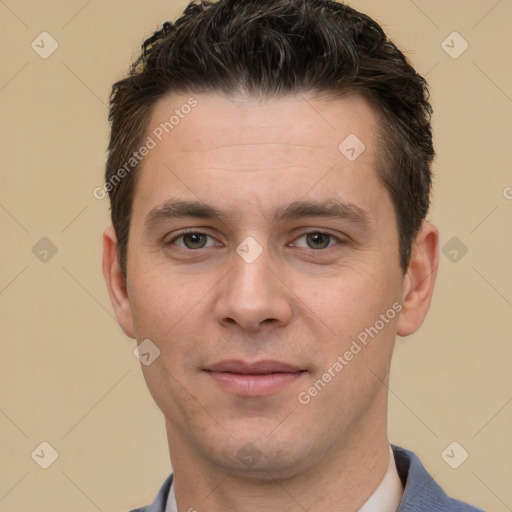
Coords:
254,368
258,378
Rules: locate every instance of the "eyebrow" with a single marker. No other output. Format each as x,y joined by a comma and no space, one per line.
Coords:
329,209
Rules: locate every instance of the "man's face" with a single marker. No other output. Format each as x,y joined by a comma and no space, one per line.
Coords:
250,307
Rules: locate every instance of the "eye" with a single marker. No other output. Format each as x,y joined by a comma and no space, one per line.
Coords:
192,240
316,240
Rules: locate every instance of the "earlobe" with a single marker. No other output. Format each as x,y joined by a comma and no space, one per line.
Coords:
418,284
116,284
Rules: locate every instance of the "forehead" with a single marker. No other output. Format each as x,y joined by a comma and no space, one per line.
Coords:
212,145
242,125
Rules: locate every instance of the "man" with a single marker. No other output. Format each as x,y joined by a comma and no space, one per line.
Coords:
269,177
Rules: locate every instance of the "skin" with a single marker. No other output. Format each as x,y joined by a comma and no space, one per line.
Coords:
294,303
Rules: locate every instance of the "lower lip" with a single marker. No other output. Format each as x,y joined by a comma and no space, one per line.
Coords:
254,385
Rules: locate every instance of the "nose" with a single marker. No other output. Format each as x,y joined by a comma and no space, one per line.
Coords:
253,296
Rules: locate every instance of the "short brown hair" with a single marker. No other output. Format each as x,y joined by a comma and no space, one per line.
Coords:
271,48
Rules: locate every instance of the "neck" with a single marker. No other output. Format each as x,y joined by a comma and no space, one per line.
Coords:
342,480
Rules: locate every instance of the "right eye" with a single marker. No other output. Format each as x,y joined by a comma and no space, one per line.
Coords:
191,240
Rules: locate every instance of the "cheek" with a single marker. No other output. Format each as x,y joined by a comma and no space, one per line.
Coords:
348,300
174,316
161,303
345,315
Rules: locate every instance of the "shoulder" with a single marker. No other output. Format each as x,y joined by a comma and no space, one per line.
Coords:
421,491
160,501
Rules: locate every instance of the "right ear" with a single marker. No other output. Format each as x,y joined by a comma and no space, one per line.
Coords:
116,284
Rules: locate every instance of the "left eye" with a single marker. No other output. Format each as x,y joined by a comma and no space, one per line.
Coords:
317,240
192,240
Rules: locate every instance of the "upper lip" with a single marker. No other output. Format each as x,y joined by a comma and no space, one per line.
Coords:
254,368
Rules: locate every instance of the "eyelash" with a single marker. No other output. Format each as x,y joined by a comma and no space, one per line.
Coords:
313,232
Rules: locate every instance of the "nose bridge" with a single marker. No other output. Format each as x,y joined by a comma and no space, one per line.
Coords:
252,294
252,278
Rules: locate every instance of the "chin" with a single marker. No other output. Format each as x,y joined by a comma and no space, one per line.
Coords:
260,456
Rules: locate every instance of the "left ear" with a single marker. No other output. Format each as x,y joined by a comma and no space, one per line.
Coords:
418,284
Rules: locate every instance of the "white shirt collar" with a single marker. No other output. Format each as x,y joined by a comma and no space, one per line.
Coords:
386,497
388,494
171,505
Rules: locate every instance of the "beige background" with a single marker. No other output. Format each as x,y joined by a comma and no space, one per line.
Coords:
69,376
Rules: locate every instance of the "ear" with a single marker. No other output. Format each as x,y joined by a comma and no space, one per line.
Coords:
418,284
116,283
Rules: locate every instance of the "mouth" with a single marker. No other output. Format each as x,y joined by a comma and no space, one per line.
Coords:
258,378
